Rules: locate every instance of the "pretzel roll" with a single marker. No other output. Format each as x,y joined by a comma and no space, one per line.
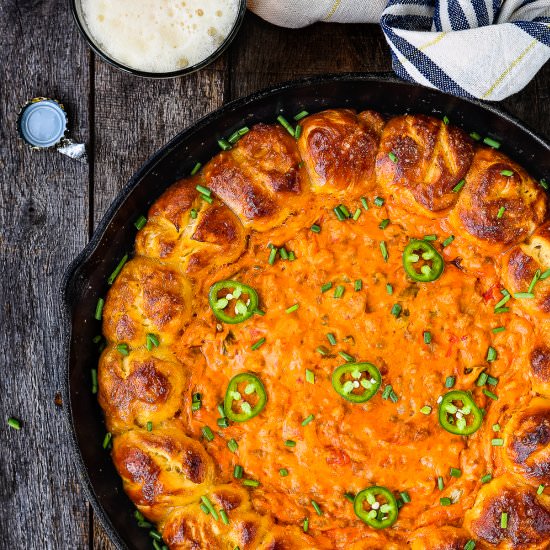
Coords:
527,441
439,538
420,161
338,148
162,469
528,519
539,360
186,230
147,298
139,388
520,265
259,179
500,205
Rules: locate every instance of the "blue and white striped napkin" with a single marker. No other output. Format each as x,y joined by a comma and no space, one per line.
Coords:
488,49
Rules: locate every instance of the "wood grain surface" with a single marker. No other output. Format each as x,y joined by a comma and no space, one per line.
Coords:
50,205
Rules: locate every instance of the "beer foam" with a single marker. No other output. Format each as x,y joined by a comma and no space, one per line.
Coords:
159,36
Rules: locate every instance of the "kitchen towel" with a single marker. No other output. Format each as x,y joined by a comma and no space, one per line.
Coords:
487,49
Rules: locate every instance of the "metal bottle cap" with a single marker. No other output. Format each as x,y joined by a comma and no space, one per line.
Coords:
42,123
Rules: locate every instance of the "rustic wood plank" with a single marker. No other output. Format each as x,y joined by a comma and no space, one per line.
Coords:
133,118
43,225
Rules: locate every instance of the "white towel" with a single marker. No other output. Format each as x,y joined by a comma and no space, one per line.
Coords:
488,49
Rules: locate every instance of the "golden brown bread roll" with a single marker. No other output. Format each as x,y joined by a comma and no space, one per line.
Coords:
420,161
528,520
185,230
539,360
439,538
527,442
260,178
147,298
494,183
338,148
520,265
162,469
140,387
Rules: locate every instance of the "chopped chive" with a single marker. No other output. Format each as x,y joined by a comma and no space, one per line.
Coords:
207,433
149,426
507,173
496,427
297,131
283,253
207,199
426,410
196,168
97,338
440,483
196,405
501,211
251,483
306,525
222,422
491,380
117,270
310,376
392,157
224,144
387,391
16,424
455,472
94,380
151,340
315,228
258,344
358,285
322,350
470,545
232,445
285,124
238,471
291,256
450,381
317,508
405,496
427,337
203,190
482,379
331,338
234,137
389,289
486,478
193,213
346,356
491,354
365,203
339,291
544,184
339,214
540,490
350,497
155,535
107,440
502,301
475,135
292,309
223,515
99,309
290,443
243,131
140,222
490,394
283,472
272,256
384,250
206,501
123,349
491,142
545,275
523,295
496,330
459,186
502,309
445,501
384,223
534,281
430,237
221,410
504,520
344,211
325,287
497,442
448,241
308,419
300,115
379,201
396,310
357,214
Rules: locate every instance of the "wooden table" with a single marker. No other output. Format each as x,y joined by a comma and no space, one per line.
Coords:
51,204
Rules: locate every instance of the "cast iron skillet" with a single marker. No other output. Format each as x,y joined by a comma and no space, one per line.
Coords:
85,280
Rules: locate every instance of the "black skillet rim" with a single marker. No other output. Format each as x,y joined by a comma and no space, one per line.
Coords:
72,270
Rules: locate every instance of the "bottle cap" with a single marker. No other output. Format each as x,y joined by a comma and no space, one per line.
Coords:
42,123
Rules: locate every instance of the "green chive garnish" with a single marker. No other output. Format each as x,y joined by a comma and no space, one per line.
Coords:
392,157
285,124
224,144
325,287
123,349
322,350
396,310
389,289
272,256
331,338
448,240
523,295
545,275
207,433
356,214
310,376
258,344
238,471
491,354
196,168
540,490
94,380
222,422
475,135
365,203
501,211
379,201
426,410
346,356
283,253
193,213
496,427
507,173
455,472
15,424
224,517
300,115
544,184
502,301
290,443
491,142
486,478
504,520
498,329
440,483
151,340
232,445
308,419
339,214
384,250
315,228
339,291
203,190
149,426
482,379
297,131
490,394
430,237
99,309
445,501
210,506
470,545
497,442
107,440
450,381
534,281
427,337
384,223
283,472
358,285
317,508
292,309
140,222
405,496
459,186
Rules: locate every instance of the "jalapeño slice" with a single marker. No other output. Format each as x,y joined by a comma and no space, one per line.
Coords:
459,414
356,382
232,302
245,397
422,261
376,506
